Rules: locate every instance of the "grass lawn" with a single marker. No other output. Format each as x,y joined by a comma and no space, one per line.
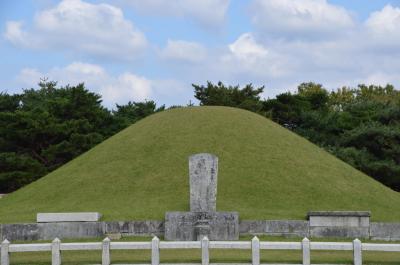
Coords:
265,172
193,256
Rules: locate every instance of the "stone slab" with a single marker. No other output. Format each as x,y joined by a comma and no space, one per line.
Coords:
203,173
182,225
339,219
68,217
339,213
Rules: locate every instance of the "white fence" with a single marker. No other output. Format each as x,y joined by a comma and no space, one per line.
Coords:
255,245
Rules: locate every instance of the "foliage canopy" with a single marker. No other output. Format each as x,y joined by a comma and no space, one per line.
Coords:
43,129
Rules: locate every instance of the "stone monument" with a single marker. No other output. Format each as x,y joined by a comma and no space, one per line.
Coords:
203,219
203,173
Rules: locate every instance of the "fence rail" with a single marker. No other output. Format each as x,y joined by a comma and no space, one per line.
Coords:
255,245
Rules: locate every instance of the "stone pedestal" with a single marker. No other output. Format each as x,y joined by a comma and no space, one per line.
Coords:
202,229
192,226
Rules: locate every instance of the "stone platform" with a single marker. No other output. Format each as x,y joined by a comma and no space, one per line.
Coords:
191,226
339,224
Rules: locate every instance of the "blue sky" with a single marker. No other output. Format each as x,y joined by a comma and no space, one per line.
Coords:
154,50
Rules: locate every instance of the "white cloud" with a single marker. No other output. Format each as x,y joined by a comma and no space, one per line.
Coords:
247,49
247,56
298,41
293,41
385,21
119,88
84,69
14,32
300,18
384,26
114,89
209,13
185,51
74,25
127,86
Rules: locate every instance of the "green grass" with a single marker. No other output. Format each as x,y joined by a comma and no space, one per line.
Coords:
193,255
265,172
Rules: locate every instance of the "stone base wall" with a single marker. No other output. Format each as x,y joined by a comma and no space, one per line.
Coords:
346,232
287,228
385,231
49,231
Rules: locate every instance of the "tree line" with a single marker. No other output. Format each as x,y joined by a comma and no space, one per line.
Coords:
42,129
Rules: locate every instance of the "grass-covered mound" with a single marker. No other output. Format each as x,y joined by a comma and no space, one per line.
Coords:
265,172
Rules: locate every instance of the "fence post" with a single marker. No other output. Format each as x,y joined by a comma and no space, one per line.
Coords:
255,251
357,252
205,257
105,254
305,245
5,256
56,252
155,251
